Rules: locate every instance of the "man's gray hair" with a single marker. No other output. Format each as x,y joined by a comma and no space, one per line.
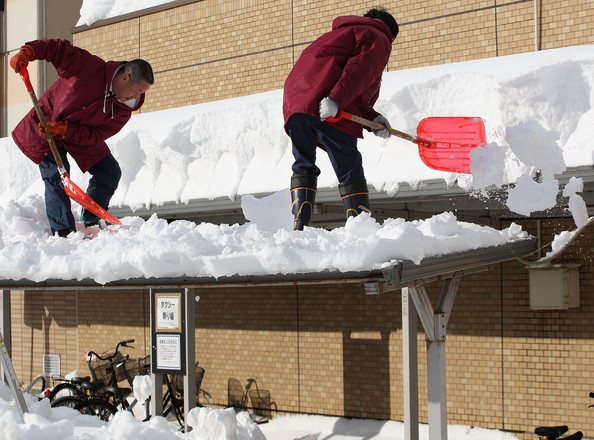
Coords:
139,70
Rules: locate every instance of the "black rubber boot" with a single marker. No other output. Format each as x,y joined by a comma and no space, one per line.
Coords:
88,218
303,196
355,197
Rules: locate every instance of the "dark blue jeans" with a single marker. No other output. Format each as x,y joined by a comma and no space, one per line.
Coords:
105,176
308,132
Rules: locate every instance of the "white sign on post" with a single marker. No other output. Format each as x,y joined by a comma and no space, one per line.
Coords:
169,352
168,313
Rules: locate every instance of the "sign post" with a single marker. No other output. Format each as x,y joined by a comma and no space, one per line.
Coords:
173,344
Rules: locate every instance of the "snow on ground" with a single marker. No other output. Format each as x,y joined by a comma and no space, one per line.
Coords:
44,422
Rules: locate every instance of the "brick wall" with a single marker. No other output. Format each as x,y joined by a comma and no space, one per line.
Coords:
211,50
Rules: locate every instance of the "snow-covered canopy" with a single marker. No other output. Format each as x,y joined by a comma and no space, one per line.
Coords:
538,114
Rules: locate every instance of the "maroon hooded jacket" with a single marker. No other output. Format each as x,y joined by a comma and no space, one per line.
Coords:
345,65
81,95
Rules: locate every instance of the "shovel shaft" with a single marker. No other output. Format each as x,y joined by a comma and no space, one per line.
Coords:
25,76
377,126
48,137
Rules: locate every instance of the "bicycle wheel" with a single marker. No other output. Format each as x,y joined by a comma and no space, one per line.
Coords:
67,401
64,389
97,407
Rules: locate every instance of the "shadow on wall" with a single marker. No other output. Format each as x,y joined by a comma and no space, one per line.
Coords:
239,397
366,372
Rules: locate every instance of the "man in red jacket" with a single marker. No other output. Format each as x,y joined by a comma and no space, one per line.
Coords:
342,69
91,101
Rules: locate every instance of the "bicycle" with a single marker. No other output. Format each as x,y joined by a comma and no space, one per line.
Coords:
108,370
173,399
66,387
555,432
86,396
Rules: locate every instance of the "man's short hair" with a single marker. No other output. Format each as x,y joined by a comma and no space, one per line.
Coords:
139,70
383,15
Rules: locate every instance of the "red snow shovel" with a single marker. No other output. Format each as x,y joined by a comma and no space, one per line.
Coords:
71,189
444,143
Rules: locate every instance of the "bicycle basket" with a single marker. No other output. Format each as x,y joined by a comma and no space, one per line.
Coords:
104,370
140,367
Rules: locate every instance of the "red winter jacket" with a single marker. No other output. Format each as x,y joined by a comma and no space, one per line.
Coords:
346,65
80,96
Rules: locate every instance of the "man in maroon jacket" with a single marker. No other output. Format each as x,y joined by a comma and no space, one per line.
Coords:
91,101
342,69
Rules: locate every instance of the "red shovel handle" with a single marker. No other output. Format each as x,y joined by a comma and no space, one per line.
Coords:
25,75
340,115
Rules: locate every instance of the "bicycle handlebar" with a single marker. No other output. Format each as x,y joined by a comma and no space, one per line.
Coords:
110,356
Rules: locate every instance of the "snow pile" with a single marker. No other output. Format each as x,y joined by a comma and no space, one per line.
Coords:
537,109
63,423
92,11
154,248
539,120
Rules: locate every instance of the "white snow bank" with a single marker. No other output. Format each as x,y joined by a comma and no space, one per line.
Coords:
538,113
92,11
44,422
154,248
537,109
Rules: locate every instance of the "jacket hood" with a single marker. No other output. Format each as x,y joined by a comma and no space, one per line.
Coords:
355,20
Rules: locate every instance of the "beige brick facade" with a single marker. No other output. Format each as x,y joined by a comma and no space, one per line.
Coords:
212,50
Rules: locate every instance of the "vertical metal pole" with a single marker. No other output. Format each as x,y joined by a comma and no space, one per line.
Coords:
436,386
190,391
410,369
536,26
157,390
157,395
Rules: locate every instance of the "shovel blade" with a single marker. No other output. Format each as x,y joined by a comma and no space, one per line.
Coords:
79,196
452,139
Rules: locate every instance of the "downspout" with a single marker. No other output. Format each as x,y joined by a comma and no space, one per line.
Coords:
41,29
536,26
3,72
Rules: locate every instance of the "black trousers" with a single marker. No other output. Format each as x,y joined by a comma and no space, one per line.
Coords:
308,132
104,181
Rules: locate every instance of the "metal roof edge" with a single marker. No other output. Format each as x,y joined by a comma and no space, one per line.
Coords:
406,273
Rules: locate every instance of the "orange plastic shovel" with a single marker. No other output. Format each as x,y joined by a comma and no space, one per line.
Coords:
71,189
444,142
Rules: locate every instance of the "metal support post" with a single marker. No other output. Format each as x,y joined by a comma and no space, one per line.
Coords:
190,391
157,395
410,367
435,325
